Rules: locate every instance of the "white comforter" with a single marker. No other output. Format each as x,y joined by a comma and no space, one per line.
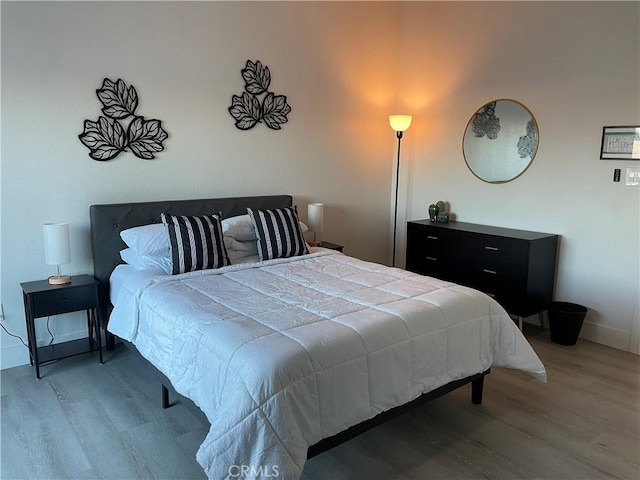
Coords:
283,353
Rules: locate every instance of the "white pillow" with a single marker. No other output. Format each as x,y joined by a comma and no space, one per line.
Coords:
143,262
235,255
241,228
237,250
234,245
147,239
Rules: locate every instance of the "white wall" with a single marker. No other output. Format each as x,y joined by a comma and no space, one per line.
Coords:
344,68
576,66
184,58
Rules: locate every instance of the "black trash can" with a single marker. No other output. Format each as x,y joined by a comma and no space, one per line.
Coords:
565,322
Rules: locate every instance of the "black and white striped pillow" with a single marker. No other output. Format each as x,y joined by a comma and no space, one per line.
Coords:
278,231
196,242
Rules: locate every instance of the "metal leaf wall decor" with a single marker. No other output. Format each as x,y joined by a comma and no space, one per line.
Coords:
107,137
248,110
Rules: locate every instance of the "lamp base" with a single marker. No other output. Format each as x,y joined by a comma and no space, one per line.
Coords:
59,279
315,243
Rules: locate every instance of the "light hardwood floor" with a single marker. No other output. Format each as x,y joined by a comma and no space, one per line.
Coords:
83,420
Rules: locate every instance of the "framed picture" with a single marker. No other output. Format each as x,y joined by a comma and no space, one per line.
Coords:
620,143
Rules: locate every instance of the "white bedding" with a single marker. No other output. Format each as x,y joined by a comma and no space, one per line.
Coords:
283,353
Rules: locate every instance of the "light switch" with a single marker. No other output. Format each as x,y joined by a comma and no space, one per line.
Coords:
632,177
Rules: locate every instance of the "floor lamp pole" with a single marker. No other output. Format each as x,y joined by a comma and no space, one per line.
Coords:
395,213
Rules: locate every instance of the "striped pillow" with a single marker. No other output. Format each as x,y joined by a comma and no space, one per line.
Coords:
278,231
196,242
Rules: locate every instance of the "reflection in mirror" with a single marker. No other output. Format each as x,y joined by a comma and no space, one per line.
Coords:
500,141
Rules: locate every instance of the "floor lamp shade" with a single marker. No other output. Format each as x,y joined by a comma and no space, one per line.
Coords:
315,219
56,249
400,123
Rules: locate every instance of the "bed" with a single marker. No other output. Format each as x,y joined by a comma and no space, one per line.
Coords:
288,356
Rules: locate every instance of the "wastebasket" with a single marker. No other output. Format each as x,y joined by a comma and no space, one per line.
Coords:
565,322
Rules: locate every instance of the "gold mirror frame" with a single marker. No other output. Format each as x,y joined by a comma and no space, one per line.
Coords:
500,141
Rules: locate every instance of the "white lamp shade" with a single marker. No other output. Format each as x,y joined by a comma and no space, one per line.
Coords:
56,243
315,217
400,122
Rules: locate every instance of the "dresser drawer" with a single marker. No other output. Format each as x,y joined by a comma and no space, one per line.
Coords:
508,293
493,271
492,251
496,282
54,302
429,250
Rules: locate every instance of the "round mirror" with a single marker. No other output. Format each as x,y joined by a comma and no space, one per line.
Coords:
500,141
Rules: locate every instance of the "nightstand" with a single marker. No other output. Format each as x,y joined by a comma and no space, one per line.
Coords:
43,300
332,246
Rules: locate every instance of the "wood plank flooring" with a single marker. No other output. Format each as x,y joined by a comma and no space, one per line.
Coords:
83,420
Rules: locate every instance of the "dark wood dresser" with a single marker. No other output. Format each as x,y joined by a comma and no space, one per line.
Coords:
516,267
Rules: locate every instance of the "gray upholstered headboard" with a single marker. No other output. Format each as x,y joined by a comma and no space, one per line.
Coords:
107,221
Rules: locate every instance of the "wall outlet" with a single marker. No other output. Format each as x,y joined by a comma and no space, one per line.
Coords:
632,178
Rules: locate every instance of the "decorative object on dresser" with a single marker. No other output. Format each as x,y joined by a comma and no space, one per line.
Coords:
56,249
515,267
399,123
42,299
315,221
438,212
500,141
433,212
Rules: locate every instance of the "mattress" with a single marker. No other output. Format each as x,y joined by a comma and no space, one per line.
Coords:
282,353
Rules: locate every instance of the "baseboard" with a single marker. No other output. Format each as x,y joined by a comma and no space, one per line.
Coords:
13,355
611,337
16,354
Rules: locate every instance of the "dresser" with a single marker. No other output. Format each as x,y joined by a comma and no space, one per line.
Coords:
516,267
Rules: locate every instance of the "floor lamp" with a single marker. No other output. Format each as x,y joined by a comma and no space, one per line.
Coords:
399,123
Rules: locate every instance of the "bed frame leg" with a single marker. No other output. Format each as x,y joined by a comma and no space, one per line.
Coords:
110,340
476,390
165,397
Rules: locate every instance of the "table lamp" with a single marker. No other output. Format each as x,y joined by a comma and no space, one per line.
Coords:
56,249
315,218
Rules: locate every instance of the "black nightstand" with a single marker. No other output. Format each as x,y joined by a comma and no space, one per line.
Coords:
332,246
43,300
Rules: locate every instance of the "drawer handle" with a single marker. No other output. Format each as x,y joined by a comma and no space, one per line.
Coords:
495,249
432,237
433,259
65,300
492,272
